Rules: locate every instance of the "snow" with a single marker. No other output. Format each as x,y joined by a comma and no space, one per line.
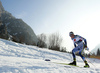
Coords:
18,58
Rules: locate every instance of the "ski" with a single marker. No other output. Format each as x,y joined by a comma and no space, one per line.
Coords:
66,65
70,66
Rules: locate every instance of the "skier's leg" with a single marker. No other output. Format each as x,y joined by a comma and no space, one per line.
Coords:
80,53
76,49
73,54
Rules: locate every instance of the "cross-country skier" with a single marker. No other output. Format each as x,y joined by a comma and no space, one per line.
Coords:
80,43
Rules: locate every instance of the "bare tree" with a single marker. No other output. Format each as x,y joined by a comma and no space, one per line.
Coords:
55,41
42,40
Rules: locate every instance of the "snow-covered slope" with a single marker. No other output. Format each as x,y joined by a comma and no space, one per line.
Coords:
18,58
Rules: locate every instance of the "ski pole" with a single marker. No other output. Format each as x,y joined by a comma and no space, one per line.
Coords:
89,60
94,55
90,52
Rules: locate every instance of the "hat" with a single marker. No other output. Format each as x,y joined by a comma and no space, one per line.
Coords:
71,33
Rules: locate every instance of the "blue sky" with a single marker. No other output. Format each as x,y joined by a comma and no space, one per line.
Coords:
49,16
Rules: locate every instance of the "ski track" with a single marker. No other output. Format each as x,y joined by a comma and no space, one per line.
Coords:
18,58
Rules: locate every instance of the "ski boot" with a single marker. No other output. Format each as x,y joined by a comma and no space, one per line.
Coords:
86,64
73,63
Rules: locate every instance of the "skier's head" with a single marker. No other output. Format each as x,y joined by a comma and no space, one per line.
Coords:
71,34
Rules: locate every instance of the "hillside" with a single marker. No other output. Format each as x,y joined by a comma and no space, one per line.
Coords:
18,58
17,28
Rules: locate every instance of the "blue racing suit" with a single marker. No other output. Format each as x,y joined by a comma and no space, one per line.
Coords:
79,43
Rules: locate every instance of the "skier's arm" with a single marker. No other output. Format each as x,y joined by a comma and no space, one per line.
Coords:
85,45
74,45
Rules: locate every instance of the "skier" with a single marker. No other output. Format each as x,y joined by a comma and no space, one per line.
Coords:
80,43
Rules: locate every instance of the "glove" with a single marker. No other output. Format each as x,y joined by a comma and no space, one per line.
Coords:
87,48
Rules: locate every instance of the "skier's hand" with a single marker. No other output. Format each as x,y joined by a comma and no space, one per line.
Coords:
85,46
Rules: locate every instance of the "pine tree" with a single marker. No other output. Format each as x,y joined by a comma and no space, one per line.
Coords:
98,52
